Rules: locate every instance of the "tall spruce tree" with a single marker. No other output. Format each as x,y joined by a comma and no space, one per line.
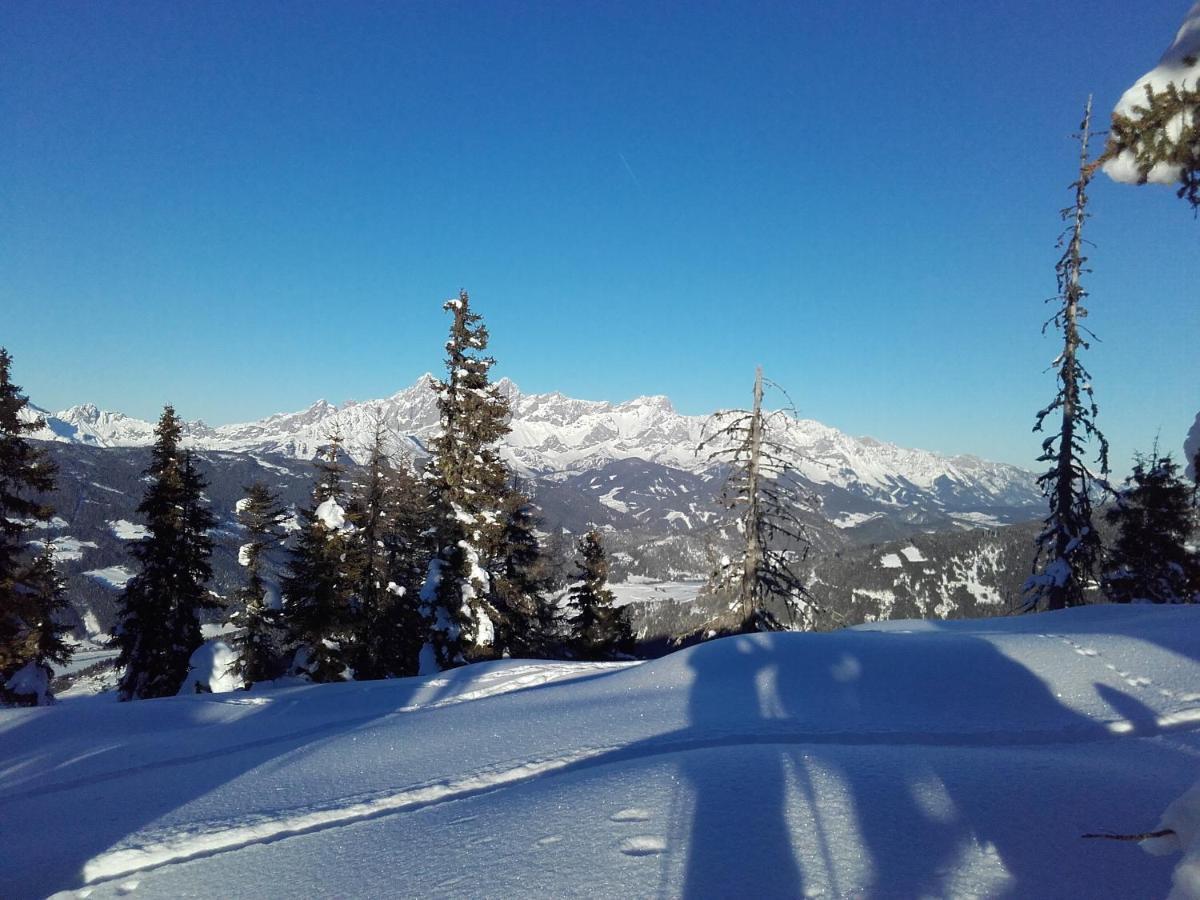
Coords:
1155,517
160,607
30,595
469,485
256,610
1068,547
389,510
599,629
319,590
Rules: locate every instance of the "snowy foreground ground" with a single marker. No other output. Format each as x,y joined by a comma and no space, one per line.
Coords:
904,759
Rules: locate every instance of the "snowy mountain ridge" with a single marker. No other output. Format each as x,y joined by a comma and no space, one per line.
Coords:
552,433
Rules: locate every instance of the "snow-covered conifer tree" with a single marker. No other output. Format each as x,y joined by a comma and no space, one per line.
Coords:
390,512
257,611
598,628
30,592
1155,133
528,624
159,619
1155,517
1068,547
469,485
319,590
42,639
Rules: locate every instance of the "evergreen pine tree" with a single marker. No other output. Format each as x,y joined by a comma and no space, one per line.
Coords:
257,644
1068,547
400,629
159,609
1154,515
319,589
390,514
29,593
528,621
42,640
599,630
469,485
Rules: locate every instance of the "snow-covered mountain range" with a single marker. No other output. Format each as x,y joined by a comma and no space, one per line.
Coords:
629,469
557,435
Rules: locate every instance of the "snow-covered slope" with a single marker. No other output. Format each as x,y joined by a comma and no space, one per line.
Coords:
910,759
556,434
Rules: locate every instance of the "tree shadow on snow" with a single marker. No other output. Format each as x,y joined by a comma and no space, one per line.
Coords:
922,756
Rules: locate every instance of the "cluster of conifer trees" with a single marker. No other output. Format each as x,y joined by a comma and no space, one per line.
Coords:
390,571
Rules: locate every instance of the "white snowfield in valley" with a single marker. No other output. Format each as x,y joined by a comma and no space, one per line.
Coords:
902,759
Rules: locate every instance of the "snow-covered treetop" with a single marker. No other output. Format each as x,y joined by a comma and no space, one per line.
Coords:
1178,69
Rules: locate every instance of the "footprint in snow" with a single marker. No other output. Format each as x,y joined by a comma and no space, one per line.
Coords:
643,845
1086,651
632,814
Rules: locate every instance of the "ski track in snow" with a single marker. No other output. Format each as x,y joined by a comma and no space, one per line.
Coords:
530,677
153,849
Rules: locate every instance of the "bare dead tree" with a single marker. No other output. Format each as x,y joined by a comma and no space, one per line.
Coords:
1068,547
766,579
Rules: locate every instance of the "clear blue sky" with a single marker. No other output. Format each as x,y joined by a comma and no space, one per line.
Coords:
243,207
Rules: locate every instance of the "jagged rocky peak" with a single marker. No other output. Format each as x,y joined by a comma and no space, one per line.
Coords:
555,433
84,412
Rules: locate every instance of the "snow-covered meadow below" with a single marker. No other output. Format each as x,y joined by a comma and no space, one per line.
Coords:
898,759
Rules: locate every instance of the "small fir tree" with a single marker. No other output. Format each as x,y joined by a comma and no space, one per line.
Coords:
30,598
159,626
1154,515
1068,547
400,630
256,616
390,513
319,590
599,629
42,641
528,624
469,485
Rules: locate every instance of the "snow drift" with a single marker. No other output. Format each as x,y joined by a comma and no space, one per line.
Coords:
899,759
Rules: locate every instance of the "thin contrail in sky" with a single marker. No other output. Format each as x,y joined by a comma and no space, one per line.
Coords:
628,169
